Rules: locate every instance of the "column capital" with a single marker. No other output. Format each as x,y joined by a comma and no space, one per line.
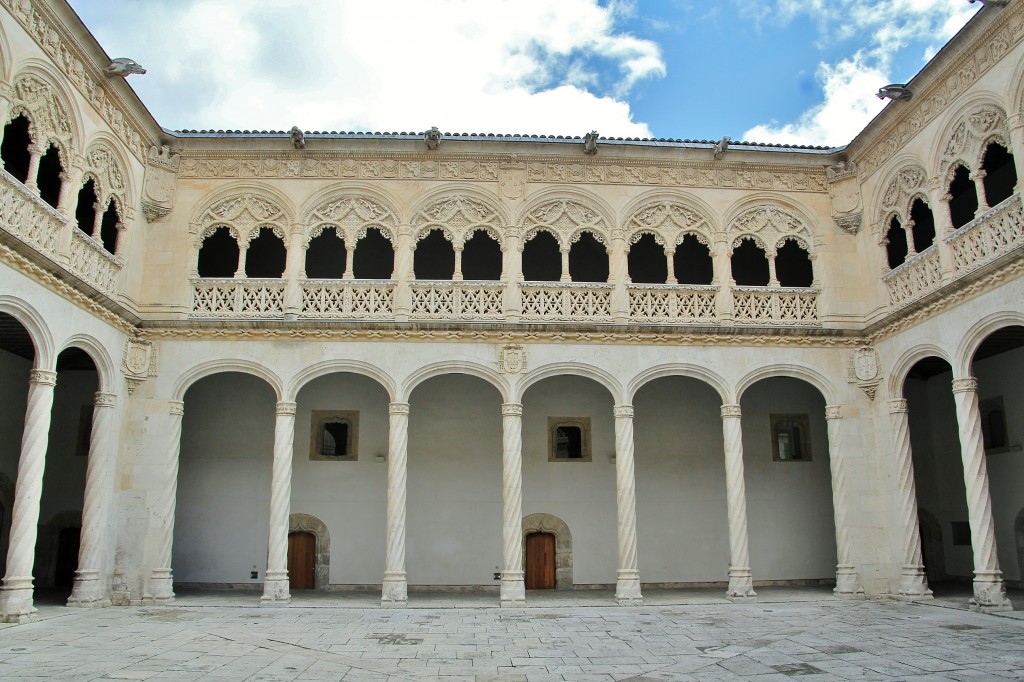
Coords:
512,409
404,230
898,406
285,408
45,377
102,399
965,385
176,407
623,411
833,412
398,408
731,410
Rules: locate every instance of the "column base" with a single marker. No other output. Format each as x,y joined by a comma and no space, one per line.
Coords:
16,600
275,589
394,590
627,588
990,593
88,591
848,583
161,587
741,585
513,589
913,584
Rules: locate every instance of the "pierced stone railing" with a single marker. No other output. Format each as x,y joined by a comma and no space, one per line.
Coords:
672,303
255,298
914,278
90,261
28,217
566,302
450,300
348,299
788,306
992,234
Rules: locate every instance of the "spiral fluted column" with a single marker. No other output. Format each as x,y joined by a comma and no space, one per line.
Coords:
395,591
16,593
161,581
89,588
741,580
627,583
276,584
913,580
513,588
989,590
847,577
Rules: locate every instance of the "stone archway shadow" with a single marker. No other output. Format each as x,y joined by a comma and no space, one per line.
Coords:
305,523
548,523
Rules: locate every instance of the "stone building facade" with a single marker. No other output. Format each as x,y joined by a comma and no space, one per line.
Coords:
278,361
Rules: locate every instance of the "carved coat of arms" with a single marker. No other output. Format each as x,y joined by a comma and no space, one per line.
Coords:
512,359
512,180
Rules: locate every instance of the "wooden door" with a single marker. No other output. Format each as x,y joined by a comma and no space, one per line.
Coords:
302,560
540,561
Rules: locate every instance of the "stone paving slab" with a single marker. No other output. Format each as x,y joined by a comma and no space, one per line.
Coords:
823,639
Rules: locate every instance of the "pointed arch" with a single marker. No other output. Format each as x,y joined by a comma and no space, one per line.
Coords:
39,93
459,212
963,141
246,209
669,217
566,215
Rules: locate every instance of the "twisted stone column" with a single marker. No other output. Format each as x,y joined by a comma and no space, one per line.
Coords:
627,584
89,588
161,581
513,588
741,580
16,593
913,580
989,590
275,584
847,578
395,590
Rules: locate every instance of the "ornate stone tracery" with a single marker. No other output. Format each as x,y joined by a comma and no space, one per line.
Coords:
907,184
47,113
244,215
567,220
351,215
970,136
669,222
769,226
102,165
459,216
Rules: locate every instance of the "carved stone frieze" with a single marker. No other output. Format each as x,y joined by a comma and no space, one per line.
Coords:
161,177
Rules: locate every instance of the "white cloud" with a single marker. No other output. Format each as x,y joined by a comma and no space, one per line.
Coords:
508,66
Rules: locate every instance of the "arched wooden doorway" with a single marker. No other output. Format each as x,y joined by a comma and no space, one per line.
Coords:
302,560
540,561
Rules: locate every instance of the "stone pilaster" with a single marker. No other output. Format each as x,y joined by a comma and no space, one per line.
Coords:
276,584
513,588
627,584
913,581
161,581
847,578
395,589
741,580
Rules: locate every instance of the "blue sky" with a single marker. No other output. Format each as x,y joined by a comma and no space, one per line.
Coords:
796,71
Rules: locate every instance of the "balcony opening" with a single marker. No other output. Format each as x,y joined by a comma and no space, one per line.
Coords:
749,264
1000,173
692,262
266,256
85,210
218,256
48,180
963,202
325,255
647,264
895,243
588,260
434,257
793,265
374,256
109,227
924,225
542,260
14,150
481,257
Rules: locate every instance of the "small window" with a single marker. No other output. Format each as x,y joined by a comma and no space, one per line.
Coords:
791,438
568,439
334,436
993,423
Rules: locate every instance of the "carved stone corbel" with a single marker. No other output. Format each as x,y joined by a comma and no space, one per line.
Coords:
158,188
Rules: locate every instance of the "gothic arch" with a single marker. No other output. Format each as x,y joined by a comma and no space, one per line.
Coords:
963,141
459,213
769,222
109,167
39,93
679,369
902,185
669,217
306,523
246,209
566,215
549,523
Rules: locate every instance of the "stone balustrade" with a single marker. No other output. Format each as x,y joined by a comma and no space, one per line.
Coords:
775,306
238,298
566,302
449,300
90,261
29,218
914,278
668,303
989,236
366,299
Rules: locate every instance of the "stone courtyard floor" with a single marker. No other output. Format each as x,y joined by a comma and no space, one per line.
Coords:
789,633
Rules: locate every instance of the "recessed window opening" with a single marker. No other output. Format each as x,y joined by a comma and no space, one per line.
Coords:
266,256
334,435
588,260
993,423
791,437
692,262
48,180
793,265
218,256
895,243
1000,173
542,260
85,210
749,264
335,439
569,439
963,203
14,150
325,256
374,256
434,257
481,257
647,264
924,225
108,227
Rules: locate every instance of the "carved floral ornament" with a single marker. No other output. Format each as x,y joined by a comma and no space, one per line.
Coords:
566,219
48,116
770,225
459,217
102,165
971,135
351,215
243,214
668,221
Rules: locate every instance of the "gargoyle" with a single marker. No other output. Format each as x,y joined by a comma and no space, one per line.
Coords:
122,66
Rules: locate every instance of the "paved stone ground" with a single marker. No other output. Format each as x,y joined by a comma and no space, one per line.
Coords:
805,634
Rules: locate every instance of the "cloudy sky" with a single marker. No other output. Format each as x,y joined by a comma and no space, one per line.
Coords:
797,71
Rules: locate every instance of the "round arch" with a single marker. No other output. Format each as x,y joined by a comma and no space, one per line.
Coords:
549,523
455,367
5,57
678,369
307,523
977,334
807,374
299,381
95,350
203,370
906,361
571,368
35,326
